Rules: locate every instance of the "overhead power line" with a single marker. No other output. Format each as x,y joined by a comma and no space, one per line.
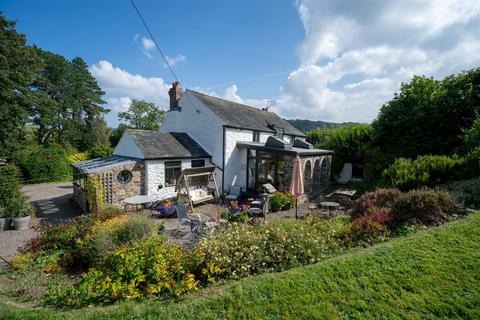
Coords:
154,41
158,47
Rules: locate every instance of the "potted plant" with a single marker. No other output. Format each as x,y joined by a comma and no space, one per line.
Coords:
277,201
22,214
5,219
288,201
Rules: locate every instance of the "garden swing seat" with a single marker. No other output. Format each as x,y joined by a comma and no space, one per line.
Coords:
198,185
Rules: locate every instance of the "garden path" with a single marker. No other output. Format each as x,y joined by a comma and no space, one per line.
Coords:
52,202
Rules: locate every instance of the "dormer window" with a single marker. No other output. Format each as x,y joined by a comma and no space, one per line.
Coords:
279,132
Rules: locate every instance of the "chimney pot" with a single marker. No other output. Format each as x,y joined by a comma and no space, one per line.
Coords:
175,94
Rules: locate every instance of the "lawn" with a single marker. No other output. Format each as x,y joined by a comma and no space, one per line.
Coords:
431,274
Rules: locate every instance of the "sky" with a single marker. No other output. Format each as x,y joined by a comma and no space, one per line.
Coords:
334,61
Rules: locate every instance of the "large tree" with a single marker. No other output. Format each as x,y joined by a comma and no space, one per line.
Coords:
429,116
142,115
68,105
18,65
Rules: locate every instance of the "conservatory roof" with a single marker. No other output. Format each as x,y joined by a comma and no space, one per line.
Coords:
100,164
280,146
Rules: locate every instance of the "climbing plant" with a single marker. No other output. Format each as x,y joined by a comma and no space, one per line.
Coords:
94,190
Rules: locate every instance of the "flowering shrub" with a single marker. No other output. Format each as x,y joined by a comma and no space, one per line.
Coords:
374,201
82,242
425,206
243,250
105,236
151,267
369,229
422,206
234,212
77,157
56,237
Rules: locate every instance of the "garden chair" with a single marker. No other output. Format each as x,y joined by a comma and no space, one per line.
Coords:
234,194
196,225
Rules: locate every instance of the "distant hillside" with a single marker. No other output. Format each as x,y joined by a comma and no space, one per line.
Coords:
306,125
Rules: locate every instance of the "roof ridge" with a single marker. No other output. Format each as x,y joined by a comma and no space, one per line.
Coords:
241,104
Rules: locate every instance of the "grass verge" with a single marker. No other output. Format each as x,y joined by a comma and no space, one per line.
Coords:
432,274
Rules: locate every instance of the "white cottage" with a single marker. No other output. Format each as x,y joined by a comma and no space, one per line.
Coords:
248,147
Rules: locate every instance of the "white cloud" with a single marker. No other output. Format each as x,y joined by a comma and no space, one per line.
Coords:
120,104
356,54
173,61
121,87
146,44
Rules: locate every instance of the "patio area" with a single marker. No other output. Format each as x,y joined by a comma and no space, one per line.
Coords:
207,211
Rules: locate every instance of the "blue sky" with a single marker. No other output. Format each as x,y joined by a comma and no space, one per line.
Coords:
319,60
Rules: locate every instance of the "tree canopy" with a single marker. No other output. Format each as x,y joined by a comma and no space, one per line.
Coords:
429,116
18,67
142,115
60,98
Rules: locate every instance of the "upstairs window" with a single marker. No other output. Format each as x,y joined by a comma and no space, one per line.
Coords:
256,136
172,172
279,132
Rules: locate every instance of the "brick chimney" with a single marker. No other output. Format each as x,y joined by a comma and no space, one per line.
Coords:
175,94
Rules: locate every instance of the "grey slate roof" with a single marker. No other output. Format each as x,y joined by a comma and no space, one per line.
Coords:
243,116
166,145
99,164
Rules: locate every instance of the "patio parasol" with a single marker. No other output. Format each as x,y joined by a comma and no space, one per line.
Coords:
296,186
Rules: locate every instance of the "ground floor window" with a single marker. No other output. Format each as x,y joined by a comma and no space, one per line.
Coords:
198,163
172,172
263,167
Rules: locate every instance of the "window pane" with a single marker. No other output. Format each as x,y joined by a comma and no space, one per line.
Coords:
256,136
172,172
198,163
251,173
171,164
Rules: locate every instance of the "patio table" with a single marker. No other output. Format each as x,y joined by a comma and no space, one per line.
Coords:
329,206
138,201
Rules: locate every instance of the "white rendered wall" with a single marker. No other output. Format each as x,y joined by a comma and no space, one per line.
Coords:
155,176
126,147
202,124
235,158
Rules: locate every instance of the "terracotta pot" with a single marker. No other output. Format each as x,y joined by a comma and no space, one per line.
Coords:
21,223
5,223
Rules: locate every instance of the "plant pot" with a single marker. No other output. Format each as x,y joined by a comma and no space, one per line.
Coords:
275,208
5,223
21,223
286,207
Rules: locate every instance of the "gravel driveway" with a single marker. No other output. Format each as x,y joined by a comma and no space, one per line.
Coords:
53,203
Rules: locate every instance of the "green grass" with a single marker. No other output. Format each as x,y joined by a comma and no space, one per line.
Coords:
432,274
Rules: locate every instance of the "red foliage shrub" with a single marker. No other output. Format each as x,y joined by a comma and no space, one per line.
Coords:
368,229
372,202
425,206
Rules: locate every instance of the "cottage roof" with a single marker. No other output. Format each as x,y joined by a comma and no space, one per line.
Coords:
166,145
245,117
